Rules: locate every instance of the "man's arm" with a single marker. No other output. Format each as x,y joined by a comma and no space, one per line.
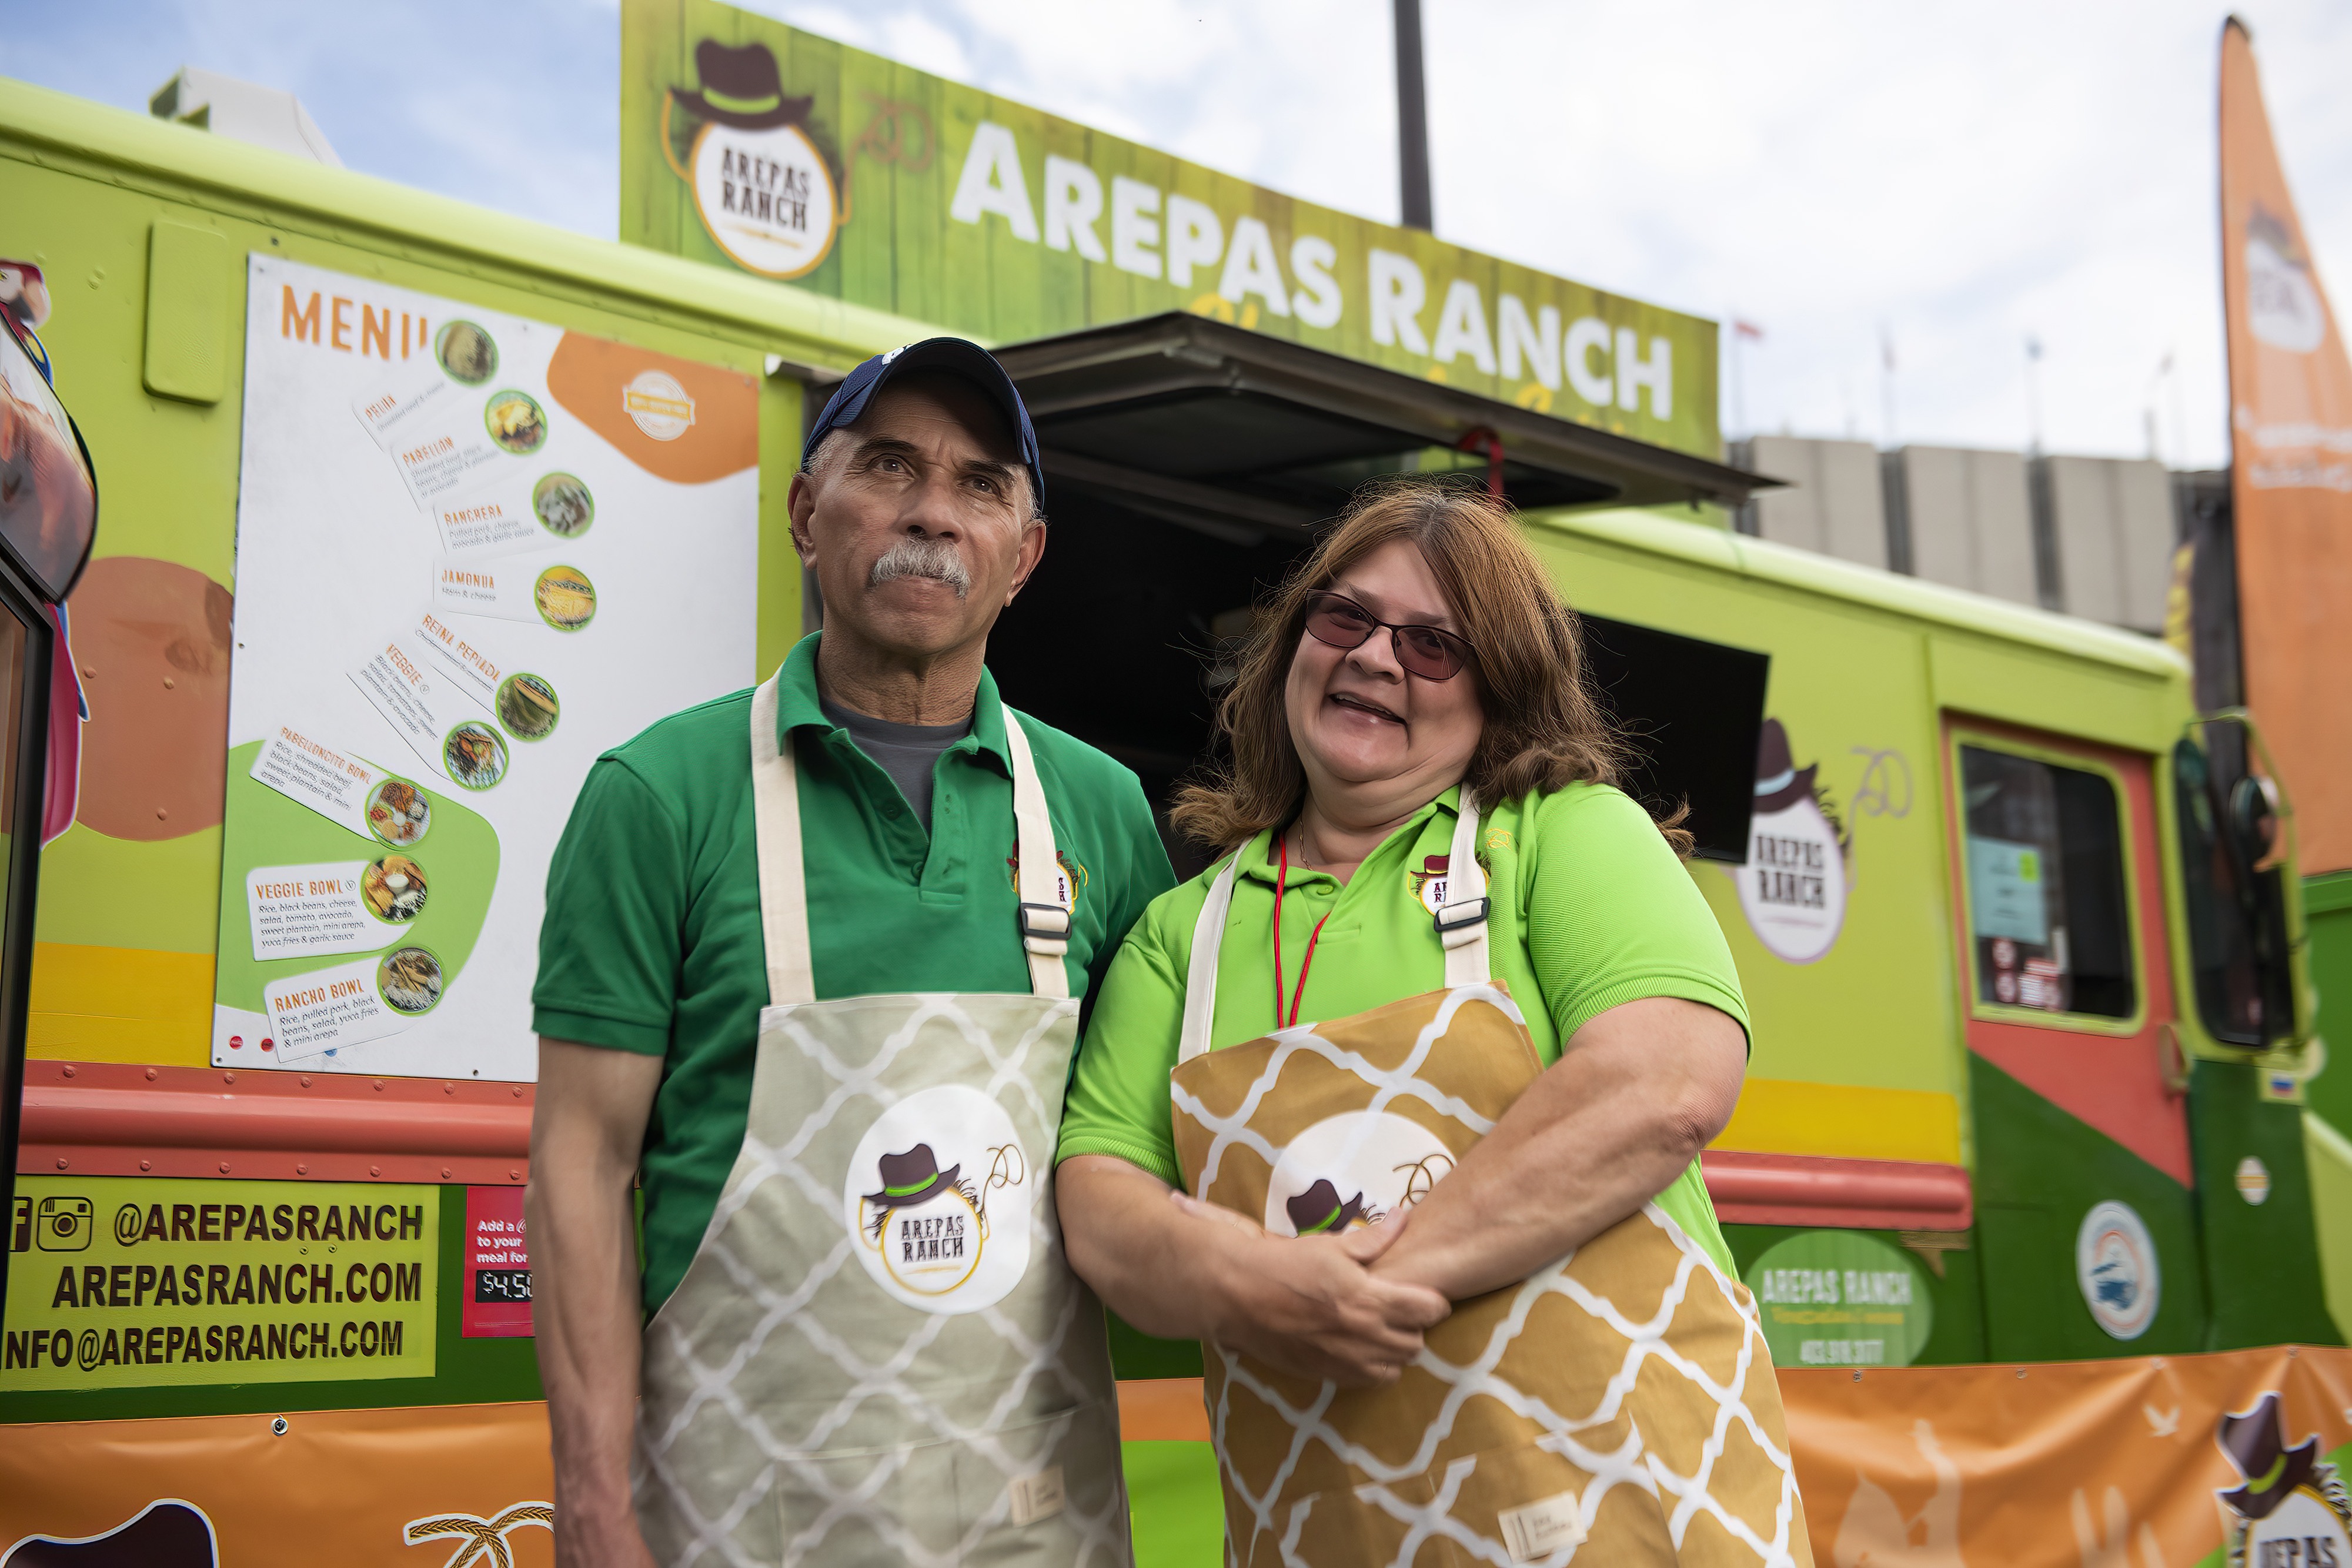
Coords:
1638,1092
1179,1268
586,1133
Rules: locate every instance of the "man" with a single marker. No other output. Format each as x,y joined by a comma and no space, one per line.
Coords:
800,970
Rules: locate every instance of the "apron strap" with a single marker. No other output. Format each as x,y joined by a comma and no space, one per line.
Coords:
1200,977
783,884
1461,925
1462,919
1045,893
776,837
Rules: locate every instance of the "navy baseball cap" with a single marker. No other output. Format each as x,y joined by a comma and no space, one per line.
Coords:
955,356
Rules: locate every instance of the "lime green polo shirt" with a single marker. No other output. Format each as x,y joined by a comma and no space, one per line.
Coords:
1591,909
651,940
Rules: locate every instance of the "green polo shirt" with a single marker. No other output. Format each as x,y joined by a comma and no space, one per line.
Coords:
1590,909
651,942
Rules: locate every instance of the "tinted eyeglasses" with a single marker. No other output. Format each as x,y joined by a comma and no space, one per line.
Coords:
1425,650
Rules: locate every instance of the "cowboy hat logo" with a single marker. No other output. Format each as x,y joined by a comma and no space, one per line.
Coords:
741,88
1793,887
928,1233
1387,1162
2289,1506
166,1533
767,194
929,1225
1318,1209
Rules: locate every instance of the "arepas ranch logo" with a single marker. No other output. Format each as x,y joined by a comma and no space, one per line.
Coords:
755,147
2290,1510
939,1201
761,187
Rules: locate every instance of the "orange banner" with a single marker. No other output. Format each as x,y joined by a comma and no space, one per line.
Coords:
372,1489
2151,1462
2290,442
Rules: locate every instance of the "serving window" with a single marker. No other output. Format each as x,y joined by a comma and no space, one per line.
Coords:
2048,898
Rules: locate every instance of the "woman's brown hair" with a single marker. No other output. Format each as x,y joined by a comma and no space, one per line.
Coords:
1545,728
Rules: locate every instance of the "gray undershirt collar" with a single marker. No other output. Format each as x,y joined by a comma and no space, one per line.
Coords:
908,753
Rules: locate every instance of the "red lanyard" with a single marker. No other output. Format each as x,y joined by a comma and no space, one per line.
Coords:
1298,992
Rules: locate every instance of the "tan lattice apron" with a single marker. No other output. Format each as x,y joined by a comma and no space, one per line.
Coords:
879,1355
1618,1407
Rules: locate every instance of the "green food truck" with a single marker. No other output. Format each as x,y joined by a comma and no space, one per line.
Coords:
412,509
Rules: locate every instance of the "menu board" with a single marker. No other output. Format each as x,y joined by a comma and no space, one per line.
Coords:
474,552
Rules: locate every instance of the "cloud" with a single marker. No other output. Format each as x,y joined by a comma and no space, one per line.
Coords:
1960,178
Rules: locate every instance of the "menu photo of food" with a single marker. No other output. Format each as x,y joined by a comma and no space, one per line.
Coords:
394,888
475,755
467,352
516,422
563,504
398,812
566,599
528,707
409,980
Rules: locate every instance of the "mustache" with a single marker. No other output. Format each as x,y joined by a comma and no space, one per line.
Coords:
918,557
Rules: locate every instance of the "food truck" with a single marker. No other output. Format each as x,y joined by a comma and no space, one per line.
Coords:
412,508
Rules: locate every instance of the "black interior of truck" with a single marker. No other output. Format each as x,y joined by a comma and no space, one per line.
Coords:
1188,466
1124,638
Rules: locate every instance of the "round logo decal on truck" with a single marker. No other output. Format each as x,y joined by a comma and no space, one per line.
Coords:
2115,1264
1793,887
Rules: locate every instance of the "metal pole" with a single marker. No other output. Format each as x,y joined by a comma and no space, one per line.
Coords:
1412,117
2034,395
1739,383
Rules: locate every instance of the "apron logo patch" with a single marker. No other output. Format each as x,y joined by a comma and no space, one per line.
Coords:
1352,1169
939,1201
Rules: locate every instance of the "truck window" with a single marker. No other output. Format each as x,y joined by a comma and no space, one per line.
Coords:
2047,908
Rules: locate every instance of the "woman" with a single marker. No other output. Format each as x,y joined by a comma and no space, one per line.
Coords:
1462,1292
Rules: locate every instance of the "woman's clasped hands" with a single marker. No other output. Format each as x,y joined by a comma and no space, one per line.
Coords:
1311,1305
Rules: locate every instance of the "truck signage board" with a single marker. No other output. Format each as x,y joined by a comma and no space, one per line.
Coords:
133,1282
756,146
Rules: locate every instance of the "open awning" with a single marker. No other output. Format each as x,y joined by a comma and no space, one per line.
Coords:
1234,432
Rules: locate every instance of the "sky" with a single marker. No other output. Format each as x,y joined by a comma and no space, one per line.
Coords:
1938,185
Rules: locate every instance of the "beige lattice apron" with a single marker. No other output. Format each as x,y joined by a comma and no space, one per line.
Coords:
1618,1407
879,1355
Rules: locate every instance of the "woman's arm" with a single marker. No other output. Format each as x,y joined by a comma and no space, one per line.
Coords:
1178,1268
1640,1090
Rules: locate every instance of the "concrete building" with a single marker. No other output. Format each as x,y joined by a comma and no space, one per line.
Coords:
2088,536
2113,527
1835,503
1967,517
